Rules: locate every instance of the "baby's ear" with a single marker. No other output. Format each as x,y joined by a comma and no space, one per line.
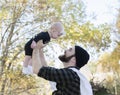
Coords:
74,59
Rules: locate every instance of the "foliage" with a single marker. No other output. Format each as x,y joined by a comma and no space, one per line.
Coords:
99,89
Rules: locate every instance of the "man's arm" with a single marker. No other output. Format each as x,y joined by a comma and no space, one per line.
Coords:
36,57
42,58
63,76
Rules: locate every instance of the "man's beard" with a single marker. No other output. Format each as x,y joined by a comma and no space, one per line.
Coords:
63,58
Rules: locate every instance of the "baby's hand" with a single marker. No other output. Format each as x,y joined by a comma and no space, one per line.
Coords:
34,44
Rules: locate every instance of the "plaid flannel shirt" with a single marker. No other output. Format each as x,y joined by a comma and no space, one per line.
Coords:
67,81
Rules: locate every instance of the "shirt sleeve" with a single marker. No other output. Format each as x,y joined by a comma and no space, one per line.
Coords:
42,36
57,75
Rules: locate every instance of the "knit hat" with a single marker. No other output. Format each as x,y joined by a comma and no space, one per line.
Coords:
82,56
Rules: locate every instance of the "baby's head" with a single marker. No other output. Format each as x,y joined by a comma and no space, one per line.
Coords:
56,30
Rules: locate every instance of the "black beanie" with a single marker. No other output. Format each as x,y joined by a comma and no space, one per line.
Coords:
82,56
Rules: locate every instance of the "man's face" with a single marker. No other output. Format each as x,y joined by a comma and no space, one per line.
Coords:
68,54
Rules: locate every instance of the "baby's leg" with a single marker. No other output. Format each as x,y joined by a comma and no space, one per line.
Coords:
30,69
25,64
30,62
26,61
28,56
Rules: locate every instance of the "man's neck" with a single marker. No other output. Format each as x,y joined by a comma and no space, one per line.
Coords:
66,65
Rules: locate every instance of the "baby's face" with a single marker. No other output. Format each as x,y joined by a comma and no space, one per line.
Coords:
56,32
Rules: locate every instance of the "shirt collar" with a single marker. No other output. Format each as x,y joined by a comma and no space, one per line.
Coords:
73,67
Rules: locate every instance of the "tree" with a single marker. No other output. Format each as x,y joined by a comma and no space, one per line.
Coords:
14,28
109,62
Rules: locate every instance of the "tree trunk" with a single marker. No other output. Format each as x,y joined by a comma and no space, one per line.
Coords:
3,87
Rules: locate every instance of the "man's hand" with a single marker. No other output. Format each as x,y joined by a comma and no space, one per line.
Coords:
39,44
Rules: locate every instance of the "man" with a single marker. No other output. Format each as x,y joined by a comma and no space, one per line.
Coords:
69,80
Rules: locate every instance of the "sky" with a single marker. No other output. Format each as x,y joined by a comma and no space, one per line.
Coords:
104,10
